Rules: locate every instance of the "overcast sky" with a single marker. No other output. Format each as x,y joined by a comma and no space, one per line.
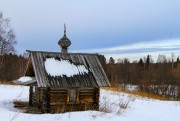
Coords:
117,28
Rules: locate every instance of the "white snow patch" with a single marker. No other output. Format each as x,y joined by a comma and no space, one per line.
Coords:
25,79
139,109
34,89
63,67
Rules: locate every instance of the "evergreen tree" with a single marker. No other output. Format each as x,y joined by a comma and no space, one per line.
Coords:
141,63
148,62
178,59
111,60
102,60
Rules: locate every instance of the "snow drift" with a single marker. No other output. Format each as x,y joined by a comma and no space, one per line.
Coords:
139,108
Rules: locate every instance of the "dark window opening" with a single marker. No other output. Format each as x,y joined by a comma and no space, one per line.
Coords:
72,95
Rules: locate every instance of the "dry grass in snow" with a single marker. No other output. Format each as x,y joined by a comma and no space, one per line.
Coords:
114,106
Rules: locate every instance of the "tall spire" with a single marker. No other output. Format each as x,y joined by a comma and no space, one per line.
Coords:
64,29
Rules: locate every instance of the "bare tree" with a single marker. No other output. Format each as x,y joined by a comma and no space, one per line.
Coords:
162,59
172,57
7,37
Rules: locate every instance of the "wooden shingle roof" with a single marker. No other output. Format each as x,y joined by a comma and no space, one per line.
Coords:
96,76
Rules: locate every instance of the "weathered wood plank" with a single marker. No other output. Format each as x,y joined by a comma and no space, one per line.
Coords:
95,77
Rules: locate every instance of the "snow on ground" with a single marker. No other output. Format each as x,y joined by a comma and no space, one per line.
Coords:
63,67
113,103
143,109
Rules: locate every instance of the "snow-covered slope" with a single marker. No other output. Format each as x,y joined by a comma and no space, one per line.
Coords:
142,109
114,103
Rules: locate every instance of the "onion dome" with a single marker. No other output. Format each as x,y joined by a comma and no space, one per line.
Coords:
64,42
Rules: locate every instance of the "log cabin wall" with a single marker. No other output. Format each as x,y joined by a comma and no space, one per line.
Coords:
57,100
39,97
54,94
43,101
33,96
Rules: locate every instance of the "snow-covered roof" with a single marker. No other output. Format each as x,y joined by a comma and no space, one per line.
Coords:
25,80
53,69
63,67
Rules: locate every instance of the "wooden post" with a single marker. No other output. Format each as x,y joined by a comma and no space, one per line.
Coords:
96,99
68,95
47,99
77,95
30,95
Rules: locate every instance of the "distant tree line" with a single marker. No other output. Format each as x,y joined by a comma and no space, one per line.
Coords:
161,77
12,66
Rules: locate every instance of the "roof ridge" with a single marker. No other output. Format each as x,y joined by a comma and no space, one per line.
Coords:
32,51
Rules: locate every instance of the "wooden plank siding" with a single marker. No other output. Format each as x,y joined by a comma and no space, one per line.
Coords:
55,100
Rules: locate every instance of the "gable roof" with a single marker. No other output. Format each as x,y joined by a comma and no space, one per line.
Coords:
95,77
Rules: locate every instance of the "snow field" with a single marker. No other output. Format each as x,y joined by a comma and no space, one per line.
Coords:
114,106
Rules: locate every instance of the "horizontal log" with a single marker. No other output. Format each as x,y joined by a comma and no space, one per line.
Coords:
33,96
55,108
34,100
87,88
88,93
57,91
43,88
58,98
57,103
60,94
57,88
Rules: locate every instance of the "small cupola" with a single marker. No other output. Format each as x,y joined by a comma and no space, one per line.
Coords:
64,42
